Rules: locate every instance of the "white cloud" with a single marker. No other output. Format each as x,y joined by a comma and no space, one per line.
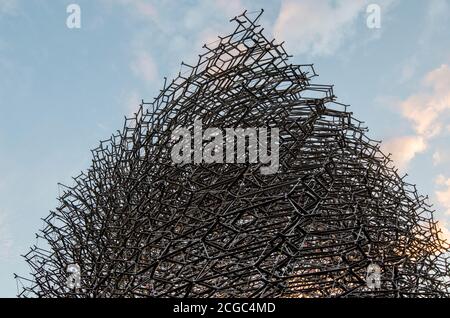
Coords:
403,149
316,27
426,110
320,27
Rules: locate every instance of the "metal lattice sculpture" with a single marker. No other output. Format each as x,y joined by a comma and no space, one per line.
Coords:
137,225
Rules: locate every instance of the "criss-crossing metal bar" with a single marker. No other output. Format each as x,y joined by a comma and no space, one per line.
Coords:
138,225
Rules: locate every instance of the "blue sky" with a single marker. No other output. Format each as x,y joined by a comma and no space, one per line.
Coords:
62,90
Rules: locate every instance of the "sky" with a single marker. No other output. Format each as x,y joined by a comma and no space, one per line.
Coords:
62,89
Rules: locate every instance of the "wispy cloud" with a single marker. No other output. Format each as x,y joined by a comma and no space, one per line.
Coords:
404,149
319,27
182,37
434,28
427,112
425,108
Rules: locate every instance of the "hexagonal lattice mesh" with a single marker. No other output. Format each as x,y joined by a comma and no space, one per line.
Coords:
140,226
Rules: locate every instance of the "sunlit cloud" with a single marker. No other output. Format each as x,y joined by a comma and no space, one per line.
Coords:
404,149
427,111
425,108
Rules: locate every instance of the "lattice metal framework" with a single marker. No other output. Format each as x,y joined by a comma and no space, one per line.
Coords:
140,226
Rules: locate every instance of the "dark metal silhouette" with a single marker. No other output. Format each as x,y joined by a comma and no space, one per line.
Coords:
138,225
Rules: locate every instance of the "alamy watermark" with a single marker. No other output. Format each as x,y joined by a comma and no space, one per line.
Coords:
373,20
373,277
73,21
74,279
215,145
